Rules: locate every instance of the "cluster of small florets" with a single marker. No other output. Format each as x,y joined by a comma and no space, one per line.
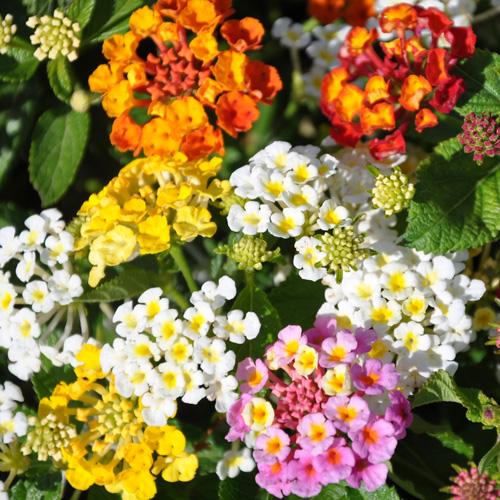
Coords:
471,485
12,424
36,294
290,186
481,136
56,35
325,412
7,31
392,192
187,359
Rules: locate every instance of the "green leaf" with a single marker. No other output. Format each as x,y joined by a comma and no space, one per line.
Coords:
489,457
39,7
61,78
127,284
482,83
242,486
297,301
18,64
49,376
255,300
59,141
81,11
442,388
456,204
115,14
47,487
17,115
456,443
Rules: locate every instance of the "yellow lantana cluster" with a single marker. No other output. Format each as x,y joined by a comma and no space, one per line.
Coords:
116,449
135,212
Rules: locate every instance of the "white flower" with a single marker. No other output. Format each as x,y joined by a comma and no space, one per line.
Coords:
133,379
140,349
236,328
166,328
244,179
9,244
12,425
290,35
410,338
25,359
7,299
65,287
168,381
382,314
360,287
53,220
415,306
131,321
276,155
222,390
331,215
153,305
157,409
10,395
180,351
301,169
308,258
302,197
26,266
212,357
398,281
272,185
194,379
113,357
215,295
233,462
37,295
433,274
35,235
252,219
24,327
198,320
57,248
286,224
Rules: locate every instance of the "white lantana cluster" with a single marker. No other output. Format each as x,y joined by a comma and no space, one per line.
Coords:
55,35
7,31
162,357
12,425
37,292
291,189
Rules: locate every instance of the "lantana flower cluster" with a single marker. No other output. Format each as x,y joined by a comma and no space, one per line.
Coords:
38,295
118,450
290,186
188,73
13,423
162,357
402,86
318,410
135,213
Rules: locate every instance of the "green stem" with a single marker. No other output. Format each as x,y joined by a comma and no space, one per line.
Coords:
178,256
178,298
486,15
491,455
76,495
250,284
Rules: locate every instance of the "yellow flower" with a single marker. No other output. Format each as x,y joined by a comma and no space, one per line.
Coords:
193,221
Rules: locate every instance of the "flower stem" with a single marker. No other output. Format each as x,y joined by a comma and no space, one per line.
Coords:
178,298
484,16
178,256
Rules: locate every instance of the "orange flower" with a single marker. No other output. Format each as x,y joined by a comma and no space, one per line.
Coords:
414,46
415,88
263,80
184,115
357,12
204,46
126,134
359,39
229,70
376,89
398,17
121,47
380,117
349,102
325,11
106,76
207,94
236,112
244,34
392,48
201,142
118,99
157,138
425,119
198,15
145,21
436,69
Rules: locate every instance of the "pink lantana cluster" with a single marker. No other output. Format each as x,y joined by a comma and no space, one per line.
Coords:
338,414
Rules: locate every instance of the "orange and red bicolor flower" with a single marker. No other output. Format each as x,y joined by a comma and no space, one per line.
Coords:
402,86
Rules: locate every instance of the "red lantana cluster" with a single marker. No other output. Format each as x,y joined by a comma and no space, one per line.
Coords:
404,86
171,65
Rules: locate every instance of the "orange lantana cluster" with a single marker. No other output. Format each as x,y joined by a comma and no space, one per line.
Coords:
169,64
354,12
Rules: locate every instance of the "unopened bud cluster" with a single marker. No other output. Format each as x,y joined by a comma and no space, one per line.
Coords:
481,136
47,437
470,485
228,200
7,30
249,252
342,249
392,192
56,35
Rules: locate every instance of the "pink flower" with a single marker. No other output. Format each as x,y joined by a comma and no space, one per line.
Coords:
234,418
337,461
339,349
286,348
316,433
273,478
365,339
307,472
375,441
272,446
399,414
373,377
324,328
347,413
255,373
373,475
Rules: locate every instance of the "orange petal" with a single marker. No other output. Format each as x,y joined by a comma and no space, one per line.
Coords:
236,112
415,88
349,102
376,89
380,117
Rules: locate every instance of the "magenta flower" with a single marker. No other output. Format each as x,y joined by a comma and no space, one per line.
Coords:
324,328
373,377
339,349
272,446
337,461
375,441
316,433
470,485
255,374
365,339
399,414
273,478
234,418
286,348
373,475
307,472
347,413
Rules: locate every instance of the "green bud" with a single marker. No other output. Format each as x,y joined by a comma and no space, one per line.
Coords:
250,253
228,200
392,192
